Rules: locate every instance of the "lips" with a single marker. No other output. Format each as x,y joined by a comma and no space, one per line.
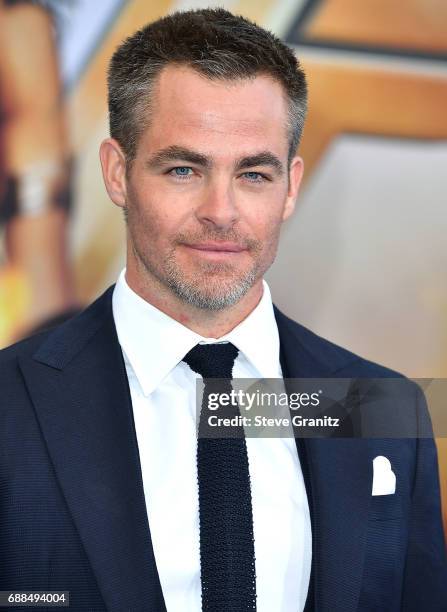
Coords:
217,247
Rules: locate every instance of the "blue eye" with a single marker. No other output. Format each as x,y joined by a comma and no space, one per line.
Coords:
254,177
181,171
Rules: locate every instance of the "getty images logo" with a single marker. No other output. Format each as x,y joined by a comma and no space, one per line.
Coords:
246,399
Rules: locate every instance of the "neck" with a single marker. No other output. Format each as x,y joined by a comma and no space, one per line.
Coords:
206,323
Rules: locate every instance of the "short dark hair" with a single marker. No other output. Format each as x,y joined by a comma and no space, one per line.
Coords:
215,43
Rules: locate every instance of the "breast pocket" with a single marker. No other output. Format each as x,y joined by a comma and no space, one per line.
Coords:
386,507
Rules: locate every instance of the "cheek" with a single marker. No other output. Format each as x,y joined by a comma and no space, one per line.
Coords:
149,218
266,223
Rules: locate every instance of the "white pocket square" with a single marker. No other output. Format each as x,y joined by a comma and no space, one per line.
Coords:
384,479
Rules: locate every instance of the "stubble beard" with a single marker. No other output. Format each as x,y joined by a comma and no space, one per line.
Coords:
214,288
210,286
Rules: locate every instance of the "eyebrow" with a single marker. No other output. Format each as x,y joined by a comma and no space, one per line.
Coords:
176,153
265,158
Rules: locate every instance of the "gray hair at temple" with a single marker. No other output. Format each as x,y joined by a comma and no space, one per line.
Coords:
215,43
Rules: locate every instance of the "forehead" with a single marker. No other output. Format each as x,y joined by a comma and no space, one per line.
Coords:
188,106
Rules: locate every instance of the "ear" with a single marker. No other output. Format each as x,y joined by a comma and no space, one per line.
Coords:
113,164
295,176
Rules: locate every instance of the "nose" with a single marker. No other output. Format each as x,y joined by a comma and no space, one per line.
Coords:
217,208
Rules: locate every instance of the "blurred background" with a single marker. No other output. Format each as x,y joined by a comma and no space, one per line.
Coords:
363,262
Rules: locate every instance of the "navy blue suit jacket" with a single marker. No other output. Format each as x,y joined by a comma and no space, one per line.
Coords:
72,507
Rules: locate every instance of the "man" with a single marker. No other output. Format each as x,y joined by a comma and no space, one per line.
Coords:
107,493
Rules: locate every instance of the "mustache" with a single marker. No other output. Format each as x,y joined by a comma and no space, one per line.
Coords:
218,236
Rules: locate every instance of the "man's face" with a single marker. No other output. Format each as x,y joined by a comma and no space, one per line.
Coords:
209,186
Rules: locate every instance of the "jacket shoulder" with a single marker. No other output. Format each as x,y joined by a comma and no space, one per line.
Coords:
61,341
11,381
26,347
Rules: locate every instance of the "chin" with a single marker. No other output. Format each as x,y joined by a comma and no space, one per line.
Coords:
211,294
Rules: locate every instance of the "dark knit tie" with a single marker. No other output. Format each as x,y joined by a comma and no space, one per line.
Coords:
227,556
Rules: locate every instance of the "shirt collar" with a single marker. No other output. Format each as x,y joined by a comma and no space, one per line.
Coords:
154,343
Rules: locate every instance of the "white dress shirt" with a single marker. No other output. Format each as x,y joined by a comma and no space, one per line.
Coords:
163,390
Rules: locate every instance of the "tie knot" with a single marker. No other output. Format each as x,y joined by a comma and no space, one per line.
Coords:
212,360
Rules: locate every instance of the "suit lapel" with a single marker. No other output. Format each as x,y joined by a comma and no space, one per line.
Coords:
78,385
338,476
